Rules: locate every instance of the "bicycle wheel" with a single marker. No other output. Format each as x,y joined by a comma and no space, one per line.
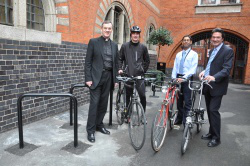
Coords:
199,117
173,113
137,125
120,106
159,130
185,139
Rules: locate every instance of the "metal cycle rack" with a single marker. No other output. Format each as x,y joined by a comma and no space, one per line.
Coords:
153,87
84,85
19,111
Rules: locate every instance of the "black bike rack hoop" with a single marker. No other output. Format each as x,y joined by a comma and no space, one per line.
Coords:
19,112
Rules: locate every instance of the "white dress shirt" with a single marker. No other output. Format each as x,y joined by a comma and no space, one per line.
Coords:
189,66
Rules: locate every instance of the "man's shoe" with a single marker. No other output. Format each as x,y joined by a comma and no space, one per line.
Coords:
213,143
103,130
206,136
91,138
178,122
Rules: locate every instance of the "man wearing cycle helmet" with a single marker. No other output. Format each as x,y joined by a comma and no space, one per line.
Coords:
134,59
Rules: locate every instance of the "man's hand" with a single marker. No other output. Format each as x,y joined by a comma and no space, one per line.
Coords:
120,71
179,80
201,75
89,83
209,78
116,84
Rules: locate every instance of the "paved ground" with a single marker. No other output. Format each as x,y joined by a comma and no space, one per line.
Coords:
50,141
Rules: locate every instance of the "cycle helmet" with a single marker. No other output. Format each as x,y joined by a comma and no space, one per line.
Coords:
135,29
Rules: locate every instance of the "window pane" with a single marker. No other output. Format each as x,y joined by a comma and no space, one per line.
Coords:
6,9
35,10
208,2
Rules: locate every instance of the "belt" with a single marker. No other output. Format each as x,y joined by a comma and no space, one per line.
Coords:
106,69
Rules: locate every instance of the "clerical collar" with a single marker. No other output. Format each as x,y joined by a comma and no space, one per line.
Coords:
105,39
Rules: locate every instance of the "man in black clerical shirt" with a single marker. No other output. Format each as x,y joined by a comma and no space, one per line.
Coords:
100,76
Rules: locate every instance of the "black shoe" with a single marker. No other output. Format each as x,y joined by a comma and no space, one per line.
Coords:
91,138
206,136
178,122
213,143
103,130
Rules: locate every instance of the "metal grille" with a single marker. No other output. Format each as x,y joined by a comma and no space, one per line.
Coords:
6,12
35,15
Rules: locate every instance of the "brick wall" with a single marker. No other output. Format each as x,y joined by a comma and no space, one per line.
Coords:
31,67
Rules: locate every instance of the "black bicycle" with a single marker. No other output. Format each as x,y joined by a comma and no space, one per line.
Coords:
133,114
195,115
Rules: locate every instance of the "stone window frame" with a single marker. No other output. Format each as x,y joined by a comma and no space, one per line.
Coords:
19,30
218,7
109,15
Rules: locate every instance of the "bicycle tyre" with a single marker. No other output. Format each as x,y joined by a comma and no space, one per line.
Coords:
137,125
198,118
158,130
172,114
120,107
185,139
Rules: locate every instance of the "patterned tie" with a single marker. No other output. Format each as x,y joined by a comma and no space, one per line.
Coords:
209,62
182,62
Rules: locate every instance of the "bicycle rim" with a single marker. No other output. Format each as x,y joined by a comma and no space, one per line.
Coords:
158,130
185,139
120,107
137,125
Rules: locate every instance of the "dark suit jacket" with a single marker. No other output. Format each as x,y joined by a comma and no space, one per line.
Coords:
220,69
94,61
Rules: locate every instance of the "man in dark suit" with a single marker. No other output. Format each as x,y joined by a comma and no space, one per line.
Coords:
217,73
100,77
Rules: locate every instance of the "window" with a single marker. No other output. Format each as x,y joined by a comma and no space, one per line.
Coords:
207,2
118,16
35,15
6,12
150,30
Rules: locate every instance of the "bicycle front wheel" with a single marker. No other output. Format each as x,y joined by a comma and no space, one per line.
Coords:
137,125
159,129
185,139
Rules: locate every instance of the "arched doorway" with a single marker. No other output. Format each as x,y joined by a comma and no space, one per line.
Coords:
201,44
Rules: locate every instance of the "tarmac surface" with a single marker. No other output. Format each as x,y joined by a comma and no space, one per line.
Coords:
49,142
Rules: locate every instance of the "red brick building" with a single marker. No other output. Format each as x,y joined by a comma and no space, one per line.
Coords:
43,43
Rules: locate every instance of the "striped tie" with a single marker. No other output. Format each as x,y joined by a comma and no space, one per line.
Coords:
209,62
182,62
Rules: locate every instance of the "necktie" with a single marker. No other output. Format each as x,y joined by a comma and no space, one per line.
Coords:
209,62
182,62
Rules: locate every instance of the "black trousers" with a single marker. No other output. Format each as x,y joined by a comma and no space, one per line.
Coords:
213,104
140,87
184,102
99,102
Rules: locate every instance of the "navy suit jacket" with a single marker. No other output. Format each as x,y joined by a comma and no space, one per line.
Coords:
94,61
220,69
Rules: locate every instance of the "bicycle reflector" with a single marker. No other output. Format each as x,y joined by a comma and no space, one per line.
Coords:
164,89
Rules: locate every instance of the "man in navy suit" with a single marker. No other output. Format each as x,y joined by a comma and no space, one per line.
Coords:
217,73
100,77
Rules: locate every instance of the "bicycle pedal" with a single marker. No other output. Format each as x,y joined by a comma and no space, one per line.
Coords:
176,127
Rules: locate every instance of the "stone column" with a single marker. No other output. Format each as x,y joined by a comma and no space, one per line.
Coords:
20,13
121,27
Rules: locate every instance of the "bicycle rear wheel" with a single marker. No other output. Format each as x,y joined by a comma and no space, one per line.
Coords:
159,129
185,139
120,102
137,125
199,117
173,113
